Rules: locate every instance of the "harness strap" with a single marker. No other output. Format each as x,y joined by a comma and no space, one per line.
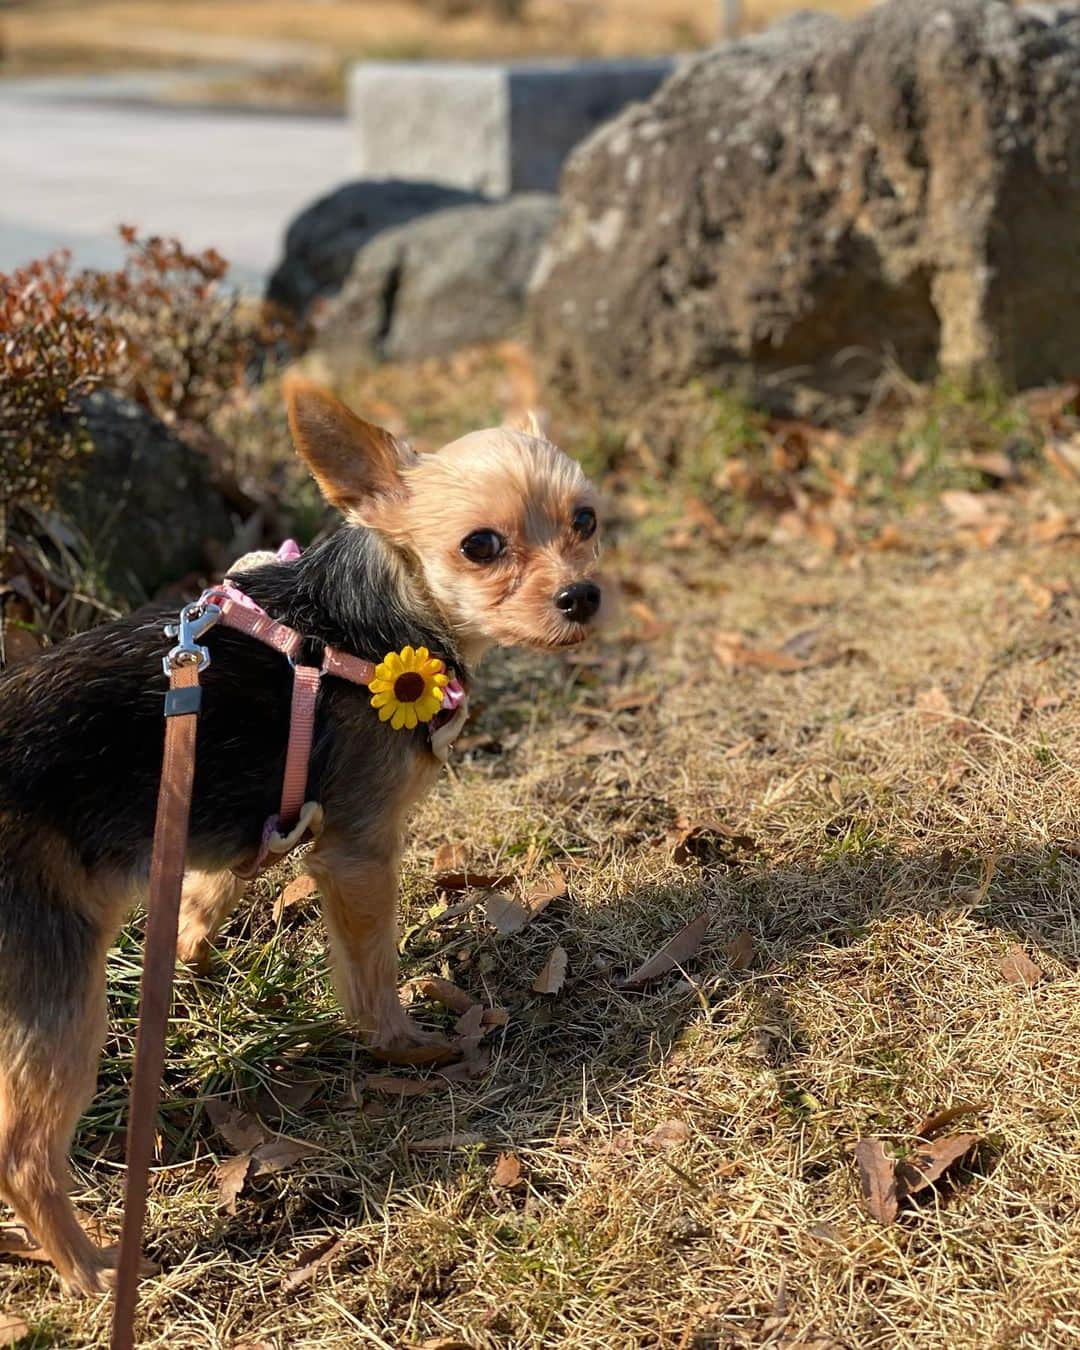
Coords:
155,992
346,667
280,832
305,695
240,612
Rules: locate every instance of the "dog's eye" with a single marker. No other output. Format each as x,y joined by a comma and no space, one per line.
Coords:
482,546
584,522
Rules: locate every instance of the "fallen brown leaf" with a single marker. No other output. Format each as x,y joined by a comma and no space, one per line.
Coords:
803,644
740,950
12,1329
543,893
551,978
470,1022
1019,968
647,626
934,1124
488,745
877,1176
620,1143
889,537
417,1056
15,1241
697,512
231,1174
926,1163
505,914
1041,596
443,992
632,702
506,1174
239,1130
472,1066
1065,457
735,653
597,744
995,464
277,1154
20,645
297,891
673,953
705,839
283,1095
495,1017
1052,526
451,858
668,1134
440,1143
309,1262
966,508
993,531
1050,402
457,911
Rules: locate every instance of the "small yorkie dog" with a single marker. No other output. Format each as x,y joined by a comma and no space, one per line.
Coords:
490,541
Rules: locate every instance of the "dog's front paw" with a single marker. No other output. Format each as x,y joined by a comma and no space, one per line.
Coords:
396,1032
195,952
110,1257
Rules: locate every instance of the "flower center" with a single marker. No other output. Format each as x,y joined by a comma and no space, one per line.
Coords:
409,687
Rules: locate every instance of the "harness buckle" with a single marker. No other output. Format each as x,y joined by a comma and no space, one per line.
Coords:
194,620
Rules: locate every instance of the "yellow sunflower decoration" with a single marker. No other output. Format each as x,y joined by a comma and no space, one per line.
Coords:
407,687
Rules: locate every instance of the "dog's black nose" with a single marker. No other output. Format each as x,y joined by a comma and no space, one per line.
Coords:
579,601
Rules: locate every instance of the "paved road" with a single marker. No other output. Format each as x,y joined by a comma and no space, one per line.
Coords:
80,156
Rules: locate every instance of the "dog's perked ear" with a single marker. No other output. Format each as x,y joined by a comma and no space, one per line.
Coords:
354,462
527,422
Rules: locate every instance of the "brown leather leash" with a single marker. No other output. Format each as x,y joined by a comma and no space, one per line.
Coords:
182,665
182,702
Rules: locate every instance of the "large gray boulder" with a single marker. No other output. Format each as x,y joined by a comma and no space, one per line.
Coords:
326,236
792,213
143,500
438,283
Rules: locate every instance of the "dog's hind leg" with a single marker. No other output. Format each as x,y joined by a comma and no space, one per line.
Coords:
208,900
52,1023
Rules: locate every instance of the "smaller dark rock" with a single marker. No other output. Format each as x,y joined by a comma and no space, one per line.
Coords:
323,240
143,500
452,278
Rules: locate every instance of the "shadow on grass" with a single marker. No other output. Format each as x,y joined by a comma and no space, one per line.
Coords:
263,1019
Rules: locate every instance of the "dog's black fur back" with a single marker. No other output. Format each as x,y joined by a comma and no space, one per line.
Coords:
82,731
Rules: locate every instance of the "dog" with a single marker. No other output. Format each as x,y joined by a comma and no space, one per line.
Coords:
490,541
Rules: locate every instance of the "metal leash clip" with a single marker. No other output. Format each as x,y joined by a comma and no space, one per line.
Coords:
193,622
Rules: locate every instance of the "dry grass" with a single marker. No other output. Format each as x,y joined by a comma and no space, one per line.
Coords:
873,998
39,31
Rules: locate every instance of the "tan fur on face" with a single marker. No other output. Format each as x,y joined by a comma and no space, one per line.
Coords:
508,479
526,490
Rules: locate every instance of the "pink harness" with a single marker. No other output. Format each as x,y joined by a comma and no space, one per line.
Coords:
239,611
295,817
